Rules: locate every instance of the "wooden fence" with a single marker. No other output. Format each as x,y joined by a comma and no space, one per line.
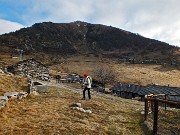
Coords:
152,102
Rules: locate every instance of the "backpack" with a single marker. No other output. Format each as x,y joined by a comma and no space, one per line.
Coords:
90,78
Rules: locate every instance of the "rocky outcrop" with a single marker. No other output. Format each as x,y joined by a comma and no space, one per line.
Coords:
30,68
77,106
13,95
35,89
3,101
18,95
1,71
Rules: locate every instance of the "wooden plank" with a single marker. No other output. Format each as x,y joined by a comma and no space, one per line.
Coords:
165,101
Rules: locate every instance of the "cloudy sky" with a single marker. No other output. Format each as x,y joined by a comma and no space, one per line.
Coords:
157,19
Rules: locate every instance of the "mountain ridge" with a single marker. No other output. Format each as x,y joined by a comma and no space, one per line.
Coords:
83,38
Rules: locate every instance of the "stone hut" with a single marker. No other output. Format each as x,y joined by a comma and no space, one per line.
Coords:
133,91
30,68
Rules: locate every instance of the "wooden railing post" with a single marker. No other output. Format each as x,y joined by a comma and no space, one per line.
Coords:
155,117
146,107
154,106
165,103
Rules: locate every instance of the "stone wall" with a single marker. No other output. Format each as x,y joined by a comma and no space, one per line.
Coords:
16,95
30,68
34,88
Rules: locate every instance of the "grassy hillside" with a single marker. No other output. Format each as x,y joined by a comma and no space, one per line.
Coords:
9,83
148,74
126,73
52,114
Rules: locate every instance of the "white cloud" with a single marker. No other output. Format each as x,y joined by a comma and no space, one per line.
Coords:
150,18
7,26
58,11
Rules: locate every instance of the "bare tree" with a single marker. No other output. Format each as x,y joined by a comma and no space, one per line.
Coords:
104,74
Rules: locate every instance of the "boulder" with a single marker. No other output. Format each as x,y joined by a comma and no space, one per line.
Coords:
3,101
34,93
18,95
82,109
1,71
79,109
5,98
11,94
88,111
76,105
22,95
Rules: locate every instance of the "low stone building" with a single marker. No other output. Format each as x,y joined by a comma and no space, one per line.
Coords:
135,91
38,87
30,68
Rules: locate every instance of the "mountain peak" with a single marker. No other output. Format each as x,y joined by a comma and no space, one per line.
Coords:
82,37
79,22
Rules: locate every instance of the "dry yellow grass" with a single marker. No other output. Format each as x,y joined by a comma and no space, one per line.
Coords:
52,114
10,83
148,74
78,64
126,73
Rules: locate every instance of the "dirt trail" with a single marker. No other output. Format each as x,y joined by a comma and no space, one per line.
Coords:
60,85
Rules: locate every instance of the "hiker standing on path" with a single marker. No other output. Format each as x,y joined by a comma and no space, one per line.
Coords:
87,85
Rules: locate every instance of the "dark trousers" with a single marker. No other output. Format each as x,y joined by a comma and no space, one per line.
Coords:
84,92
